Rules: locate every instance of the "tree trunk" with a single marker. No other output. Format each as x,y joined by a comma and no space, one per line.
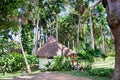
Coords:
40,37
26,62
113,18
103,39
116,34
34,31
73,44
57,26
68,44
36,38
78,41
91,28
46,35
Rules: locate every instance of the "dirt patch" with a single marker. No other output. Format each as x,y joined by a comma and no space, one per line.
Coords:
49,76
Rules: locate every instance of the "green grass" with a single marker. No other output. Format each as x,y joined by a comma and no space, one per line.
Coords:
10,75
108,63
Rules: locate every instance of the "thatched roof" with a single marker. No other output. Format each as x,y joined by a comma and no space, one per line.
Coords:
53,48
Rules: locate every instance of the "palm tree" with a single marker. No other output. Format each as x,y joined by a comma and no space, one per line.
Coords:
91,26
19,34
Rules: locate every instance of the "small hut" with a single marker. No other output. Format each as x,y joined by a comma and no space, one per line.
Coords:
50,49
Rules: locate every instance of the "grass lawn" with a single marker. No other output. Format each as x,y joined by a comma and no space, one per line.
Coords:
10,75
108,63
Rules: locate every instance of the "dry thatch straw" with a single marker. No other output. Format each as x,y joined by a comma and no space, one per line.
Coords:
53,48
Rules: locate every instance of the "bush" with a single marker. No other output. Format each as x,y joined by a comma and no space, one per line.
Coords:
32,59
11,62
87,55
100,72
59,63
14,61
84,65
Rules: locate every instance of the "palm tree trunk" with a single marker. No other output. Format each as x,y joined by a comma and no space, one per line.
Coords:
26,62
68,44
57,26
73,42
91,28
78,41
34,31
36,37
103,40
50,27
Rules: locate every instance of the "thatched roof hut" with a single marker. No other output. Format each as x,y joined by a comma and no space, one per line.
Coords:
53,48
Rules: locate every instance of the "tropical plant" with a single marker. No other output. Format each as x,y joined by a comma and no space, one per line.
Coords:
59,63
87,56
11,62
101,72
14,62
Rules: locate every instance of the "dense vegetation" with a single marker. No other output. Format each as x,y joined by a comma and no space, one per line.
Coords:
81,25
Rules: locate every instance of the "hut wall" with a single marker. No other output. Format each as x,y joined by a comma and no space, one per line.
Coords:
43,61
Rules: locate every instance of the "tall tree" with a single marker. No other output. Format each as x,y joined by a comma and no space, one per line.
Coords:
57,5
8,13
91,26
20,42
113,18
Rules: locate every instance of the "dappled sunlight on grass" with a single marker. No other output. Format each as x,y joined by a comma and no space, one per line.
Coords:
107,63
10,75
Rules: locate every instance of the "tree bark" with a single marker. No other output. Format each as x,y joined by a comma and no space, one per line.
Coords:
113,18
26,62
57,26
33,50
68,44
78,41
103,39
35,42
116,34
91,28
73,44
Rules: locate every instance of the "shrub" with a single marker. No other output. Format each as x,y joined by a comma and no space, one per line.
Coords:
11,62
100,72
14,61
87,56
32,59
59,63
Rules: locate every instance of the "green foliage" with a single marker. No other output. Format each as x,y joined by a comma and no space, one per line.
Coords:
59,63
7,24
14,61
11,62
27,38
111,54
32,59
5,44
87,53
8,12
87,56
101,72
